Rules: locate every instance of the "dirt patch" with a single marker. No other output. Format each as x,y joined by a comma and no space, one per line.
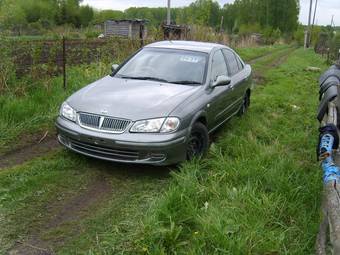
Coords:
78,206
65,212
259,79
38,145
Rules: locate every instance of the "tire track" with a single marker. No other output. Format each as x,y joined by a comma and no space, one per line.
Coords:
258,76
65,212
34,149
111,184
264,56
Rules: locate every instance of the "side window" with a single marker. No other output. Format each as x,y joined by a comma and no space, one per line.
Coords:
232,62
240,64
219,66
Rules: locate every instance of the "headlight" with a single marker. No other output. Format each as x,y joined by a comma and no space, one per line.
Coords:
170,125
68,112
163,125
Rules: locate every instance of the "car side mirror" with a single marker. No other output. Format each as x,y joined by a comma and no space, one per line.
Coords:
114,67
221,80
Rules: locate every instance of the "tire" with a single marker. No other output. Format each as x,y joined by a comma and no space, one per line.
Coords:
245,105
198,142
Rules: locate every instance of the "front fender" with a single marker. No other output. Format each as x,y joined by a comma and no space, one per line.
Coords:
197,116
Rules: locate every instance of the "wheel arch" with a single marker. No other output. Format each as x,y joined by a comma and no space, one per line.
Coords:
200,116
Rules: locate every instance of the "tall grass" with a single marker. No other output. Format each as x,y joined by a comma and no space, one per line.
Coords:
258,192
30,106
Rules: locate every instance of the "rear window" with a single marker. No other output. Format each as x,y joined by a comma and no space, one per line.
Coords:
232,62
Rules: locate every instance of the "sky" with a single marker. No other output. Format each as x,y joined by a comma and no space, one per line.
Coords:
326,8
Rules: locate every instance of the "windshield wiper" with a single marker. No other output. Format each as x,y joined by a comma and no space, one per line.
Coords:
144,78
186,82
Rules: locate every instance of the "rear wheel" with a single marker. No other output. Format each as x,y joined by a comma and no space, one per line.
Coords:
245,105
198,141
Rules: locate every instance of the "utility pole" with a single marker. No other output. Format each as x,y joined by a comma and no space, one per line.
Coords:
168,20
315,7
221,24
307,32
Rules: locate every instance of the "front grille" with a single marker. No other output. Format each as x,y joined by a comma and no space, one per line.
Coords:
103,123
89,120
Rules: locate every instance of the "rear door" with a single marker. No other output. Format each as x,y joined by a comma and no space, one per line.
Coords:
238,84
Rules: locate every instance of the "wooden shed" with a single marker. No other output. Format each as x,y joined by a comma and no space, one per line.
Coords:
132,28
175,32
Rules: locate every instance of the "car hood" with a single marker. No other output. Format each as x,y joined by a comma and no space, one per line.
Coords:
130,99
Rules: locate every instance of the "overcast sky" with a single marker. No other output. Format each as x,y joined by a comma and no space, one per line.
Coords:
326,8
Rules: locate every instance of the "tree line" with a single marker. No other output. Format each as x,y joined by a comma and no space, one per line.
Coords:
45,13
242,16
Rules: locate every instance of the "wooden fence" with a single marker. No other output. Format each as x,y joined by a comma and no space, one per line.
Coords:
331,200
41,58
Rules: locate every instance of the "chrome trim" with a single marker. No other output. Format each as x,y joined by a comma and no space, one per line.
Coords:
101,121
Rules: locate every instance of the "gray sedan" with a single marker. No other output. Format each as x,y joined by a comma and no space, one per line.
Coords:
159,106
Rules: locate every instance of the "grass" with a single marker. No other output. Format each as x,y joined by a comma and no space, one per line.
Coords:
257,192
26,189
31,106
252,53
32,194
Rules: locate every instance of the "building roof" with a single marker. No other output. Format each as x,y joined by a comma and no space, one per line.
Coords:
187,45
128,20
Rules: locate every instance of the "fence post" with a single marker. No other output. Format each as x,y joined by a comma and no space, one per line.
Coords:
64,63
328,55
141,35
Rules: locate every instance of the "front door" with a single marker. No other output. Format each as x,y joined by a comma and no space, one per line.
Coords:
221,97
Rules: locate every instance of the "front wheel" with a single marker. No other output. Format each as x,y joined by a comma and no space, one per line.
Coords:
198,141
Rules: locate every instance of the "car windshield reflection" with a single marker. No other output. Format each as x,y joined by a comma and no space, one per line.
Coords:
164,65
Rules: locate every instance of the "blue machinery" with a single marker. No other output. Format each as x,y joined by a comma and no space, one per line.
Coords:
331,172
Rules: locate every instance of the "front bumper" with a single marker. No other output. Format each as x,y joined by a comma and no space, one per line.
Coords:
155,149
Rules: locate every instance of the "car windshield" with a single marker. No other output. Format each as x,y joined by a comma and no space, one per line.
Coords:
166,65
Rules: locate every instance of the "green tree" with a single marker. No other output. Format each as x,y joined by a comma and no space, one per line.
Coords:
12,15
102,16
86,14
205,12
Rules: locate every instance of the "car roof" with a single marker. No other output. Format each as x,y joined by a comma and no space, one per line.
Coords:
186,45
